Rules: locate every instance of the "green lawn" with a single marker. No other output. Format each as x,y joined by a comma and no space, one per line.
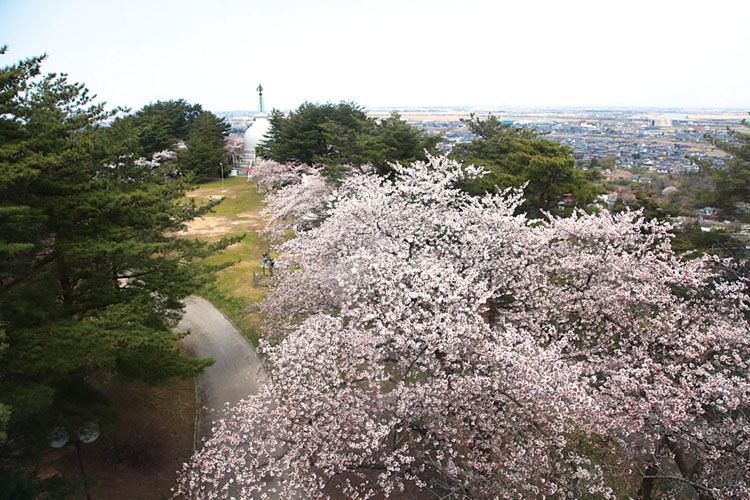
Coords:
240,195
234,291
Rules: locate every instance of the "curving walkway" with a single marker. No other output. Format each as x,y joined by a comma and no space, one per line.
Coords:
237,372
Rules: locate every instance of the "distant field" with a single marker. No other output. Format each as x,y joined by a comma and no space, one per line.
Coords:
454,116
417,117
622,173
551,115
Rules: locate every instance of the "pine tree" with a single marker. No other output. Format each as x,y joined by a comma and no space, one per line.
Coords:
158,126
177,126
732,183
205,146
90,275
340,136
514,157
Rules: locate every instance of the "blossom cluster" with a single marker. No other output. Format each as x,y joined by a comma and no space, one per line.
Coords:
444,340
297,205
272,174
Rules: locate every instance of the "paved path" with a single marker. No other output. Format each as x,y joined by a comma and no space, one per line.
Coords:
237,372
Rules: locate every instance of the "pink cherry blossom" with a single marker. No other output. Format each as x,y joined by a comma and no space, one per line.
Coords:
271,174
432,337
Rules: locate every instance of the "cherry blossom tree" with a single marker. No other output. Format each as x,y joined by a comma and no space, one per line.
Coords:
271,174
161,163
234,145
296,206
437,338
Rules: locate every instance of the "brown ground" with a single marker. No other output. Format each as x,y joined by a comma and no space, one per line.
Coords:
213,228
140,459
216,225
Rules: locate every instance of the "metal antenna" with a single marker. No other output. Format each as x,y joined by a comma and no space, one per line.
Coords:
260,97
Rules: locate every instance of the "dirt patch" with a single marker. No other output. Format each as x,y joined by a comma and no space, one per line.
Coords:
622,174
213,227
209,193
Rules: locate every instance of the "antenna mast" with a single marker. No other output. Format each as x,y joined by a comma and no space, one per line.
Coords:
260,97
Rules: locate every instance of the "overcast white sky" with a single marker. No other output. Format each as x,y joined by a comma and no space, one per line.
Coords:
655,53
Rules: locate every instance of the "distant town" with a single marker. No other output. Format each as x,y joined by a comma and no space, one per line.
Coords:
662,141
630,147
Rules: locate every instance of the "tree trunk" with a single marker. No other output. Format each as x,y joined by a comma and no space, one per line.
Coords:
648,481
64,279
688,472
492,312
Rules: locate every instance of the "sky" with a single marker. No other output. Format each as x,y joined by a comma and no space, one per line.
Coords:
392,53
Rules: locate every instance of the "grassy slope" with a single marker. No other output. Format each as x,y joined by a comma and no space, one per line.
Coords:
234,291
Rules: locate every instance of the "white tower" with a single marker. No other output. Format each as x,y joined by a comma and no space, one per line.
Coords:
255,133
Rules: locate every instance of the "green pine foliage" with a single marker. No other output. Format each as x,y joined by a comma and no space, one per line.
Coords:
205,146
91,274
162,123
731,184
514,157
341,134
158,126
197,135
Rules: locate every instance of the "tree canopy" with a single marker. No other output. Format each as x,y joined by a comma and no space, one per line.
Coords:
195,134
514,157
439,338
340,134
205,146
729,187
158,126
91,275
